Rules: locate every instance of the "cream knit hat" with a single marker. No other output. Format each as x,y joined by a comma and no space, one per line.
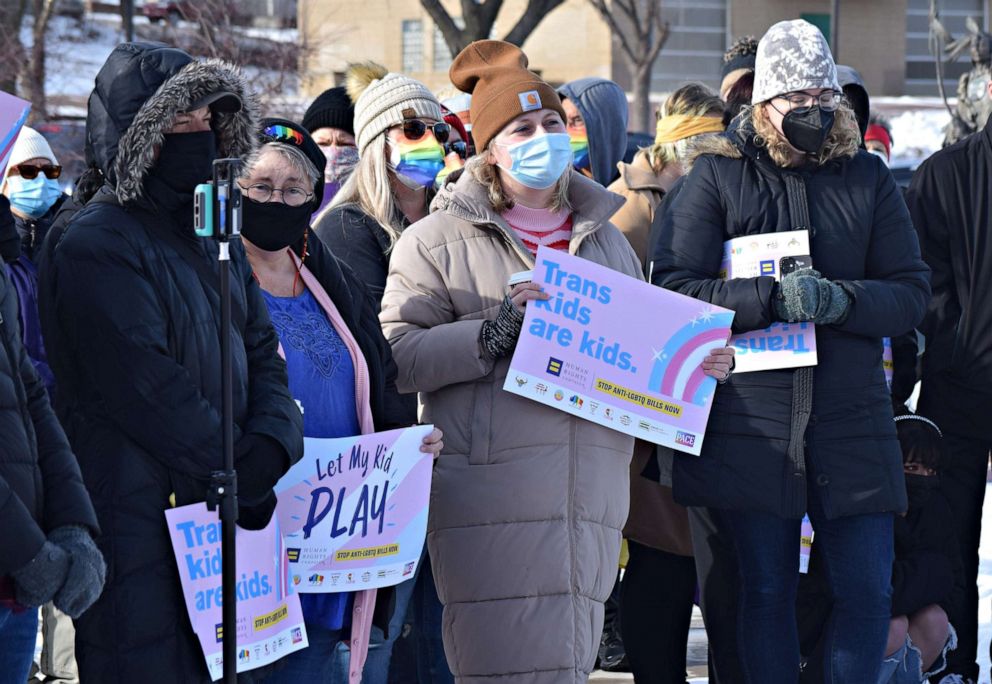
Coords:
30,144
383,100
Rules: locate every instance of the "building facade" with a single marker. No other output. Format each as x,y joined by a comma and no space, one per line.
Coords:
886,40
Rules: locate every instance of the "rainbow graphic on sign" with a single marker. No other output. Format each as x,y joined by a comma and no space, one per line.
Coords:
677,370
420,161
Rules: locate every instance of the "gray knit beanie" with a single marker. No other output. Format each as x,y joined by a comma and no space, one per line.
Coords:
383,100
792,55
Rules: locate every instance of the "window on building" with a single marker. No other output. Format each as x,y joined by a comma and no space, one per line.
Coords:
413,46
695,46
921,70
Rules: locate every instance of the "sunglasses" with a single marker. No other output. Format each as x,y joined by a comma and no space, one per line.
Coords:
30,171
415,129
459,146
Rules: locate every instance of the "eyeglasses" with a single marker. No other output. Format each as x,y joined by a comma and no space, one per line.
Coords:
30,171
263,192
828,100
415,129
458,146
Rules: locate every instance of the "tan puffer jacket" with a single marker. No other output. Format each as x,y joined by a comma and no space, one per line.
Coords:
528,502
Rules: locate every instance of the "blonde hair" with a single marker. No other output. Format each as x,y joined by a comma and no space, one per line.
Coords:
370,188
488,175
692,99
843,141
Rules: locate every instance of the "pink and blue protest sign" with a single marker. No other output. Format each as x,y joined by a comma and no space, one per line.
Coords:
13,115
270,620
618,352
354,510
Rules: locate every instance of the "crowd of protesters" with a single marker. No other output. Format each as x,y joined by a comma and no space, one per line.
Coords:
372,286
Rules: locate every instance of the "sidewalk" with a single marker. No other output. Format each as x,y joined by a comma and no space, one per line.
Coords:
696,658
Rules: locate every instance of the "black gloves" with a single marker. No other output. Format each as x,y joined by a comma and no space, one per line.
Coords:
260,462
87,570
69,570
499,336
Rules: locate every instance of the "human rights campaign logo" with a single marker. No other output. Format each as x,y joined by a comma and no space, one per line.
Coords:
294,555
767,268
554,367
219,632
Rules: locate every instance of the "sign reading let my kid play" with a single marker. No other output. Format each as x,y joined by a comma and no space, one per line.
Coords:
618,352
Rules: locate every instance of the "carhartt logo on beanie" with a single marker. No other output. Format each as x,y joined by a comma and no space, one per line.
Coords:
792,55
502,87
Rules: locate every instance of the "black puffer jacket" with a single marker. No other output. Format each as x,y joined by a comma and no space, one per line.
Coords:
137,359
359,241
40,484
863,238
949,201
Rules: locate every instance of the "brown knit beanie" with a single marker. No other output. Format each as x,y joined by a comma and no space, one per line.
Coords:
495,73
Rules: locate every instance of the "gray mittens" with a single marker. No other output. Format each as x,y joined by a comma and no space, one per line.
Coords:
37,582
804,295
499,336
87,570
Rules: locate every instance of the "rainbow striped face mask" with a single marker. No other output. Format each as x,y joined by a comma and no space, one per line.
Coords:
580,148
417,163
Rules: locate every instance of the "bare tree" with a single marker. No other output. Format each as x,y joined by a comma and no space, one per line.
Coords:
33,75
478,19
11,49
641,32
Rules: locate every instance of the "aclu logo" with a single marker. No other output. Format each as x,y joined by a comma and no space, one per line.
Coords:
685,439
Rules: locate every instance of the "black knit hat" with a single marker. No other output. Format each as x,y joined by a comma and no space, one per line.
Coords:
740,55
332,109
290,133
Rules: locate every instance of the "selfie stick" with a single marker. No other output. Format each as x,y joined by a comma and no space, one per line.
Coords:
218,215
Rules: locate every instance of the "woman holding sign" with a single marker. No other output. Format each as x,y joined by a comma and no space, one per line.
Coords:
528,501
821,440
341,372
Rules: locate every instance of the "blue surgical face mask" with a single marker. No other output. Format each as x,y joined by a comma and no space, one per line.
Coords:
33,197
539,162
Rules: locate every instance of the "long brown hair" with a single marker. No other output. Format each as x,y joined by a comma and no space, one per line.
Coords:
843,141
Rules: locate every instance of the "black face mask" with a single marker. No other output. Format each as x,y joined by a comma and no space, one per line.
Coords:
919,489
185,161
274,226
807,129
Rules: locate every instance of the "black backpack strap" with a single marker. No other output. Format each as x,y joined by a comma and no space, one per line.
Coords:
802,382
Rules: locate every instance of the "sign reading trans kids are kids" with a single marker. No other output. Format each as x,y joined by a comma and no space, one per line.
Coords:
270,620
618,352
354,510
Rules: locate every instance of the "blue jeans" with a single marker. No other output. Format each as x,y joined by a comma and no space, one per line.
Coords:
18,632
380,648
857,554
314,664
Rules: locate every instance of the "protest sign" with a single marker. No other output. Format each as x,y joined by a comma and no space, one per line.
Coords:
805,544
618,352
354,510
270,620
13,113
782,345
888,365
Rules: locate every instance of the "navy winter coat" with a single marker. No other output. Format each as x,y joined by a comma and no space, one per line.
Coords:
40,485
136,355
863,239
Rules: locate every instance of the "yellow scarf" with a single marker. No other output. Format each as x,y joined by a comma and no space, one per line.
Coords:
678,127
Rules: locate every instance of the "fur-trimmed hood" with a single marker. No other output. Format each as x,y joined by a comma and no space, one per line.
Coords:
139,90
